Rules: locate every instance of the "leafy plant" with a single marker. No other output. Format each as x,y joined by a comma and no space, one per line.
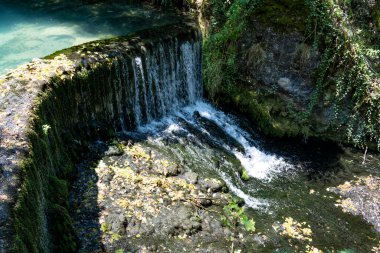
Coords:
229,21
234,215
244,174
114,237
45,129
104,227
345,65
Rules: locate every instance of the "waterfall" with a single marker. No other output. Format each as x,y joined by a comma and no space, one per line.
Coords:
157,87
205,127
167,81
166,91
166,78
164,82
145,82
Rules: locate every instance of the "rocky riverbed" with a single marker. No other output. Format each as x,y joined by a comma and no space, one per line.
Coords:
361,197
133,199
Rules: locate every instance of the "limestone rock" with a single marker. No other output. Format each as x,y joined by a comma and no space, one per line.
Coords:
190,177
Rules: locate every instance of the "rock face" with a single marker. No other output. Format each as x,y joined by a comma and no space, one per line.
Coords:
280,60
277,62
278,71
361,197
267,66
127,202
51,107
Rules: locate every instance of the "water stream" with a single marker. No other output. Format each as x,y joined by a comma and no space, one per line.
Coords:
288,179
160,95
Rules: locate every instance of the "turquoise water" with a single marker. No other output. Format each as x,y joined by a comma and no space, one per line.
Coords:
27,33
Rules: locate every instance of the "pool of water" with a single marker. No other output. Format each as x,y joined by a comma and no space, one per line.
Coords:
27,33
288,182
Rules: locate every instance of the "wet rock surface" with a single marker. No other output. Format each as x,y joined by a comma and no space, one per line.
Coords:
134,200
361,197
280,60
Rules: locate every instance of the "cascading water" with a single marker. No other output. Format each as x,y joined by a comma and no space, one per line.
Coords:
166,79
167,101
187,127
149,88
155,100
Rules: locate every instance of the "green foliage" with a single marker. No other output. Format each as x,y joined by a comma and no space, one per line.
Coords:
234,215
349,68
45,129
345,61
244,175
229,19
114,237
248,224
104,227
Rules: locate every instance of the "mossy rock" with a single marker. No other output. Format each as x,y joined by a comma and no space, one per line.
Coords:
61,229
266,111
283,15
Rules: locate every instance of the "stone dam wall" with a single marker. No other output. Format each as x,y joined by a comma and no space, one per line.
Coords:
50,109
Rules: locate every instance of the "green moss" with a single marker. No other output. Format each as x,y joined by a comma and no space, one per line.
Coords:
283,15
42,221
376,18
58,191
61,229
29,204
271,114
41,211
144,37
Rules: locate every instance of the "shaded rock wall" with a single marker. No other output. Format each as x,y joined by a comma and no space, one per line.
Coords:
50,109
297,68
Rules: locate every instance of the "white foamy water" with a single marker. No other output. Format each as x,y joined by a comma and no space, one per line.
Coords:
167,107
259,164
249,200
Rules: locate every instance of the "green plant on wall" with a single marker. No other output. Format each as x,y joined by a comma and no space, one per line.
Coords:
220,67
345,61
349,56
